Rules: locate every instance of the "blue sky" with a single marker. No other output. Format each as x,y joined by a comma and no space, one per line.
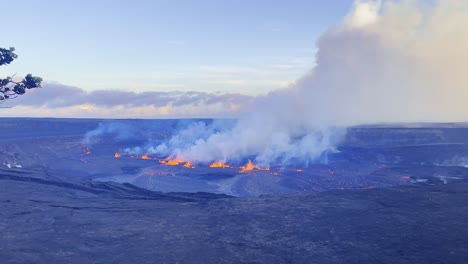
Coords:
220,58
250,47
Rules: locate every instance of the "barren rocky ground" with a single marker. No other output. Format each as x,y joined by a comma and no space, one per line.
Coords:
405,201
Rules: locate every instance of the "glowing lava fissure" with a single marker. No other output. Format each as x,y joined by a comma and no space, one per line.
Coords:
188,164
86,150
167,161
170,161
219,164
250,166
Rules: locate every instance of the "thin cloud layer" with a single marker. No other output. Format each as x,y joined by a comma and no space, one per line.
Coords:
55,99
388,61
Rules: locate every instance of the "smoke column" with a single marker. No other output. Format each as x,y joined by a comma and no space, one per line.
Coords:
388,61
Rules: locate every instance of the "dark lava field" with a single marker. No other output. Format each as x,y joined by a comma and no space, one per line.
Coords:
385,194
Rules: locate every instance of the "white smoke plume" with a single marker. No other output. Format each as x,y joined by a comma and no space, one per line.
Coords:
117,129
388,61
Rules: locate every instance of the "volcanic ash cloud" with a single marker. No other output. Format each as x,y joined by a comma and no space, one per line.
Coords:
391,61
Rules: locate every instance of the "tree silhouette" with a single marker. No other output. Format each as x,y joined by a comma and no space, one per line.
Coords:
10,88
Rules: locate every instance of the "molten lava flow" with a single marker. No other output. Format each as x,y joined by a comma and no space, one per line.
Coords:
188,164
86,150
219,164
171,162
117,155
249,167
145,157
299,170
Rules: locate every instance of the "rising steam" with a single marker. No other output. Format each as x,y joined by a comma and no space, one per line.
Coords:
391,61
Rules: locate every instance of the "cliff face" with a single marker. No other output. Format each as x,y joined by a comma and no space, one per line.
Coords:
55,219
384,195
367,157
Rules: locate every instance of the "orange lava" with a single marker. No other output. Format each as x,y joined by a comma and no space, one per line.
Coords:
117,155
188,164
248,167
171,162
145,157
219,164
86,150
